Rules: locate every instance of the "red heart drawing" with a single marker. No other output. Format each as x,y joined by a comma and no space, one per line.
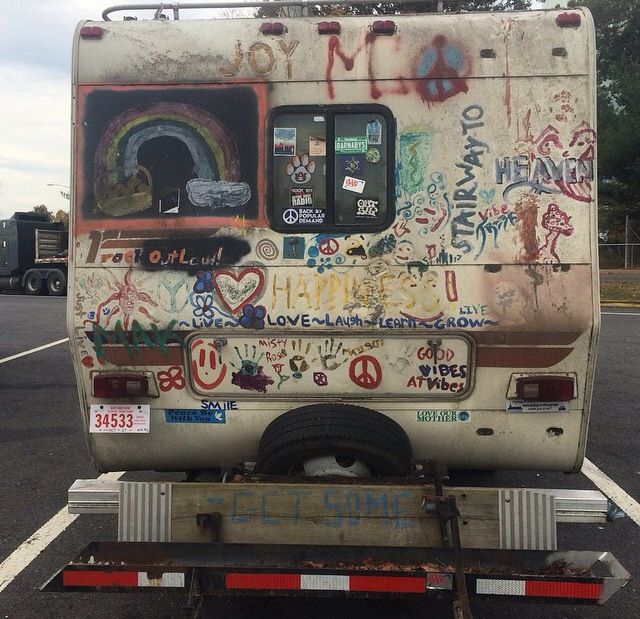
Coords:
235,290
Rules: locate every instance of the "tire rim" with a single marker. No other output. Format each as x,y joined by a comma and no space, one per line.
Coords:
56,284
335,465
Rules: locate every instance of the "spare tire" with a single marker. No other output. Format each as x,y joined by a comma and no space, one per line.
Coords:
340,430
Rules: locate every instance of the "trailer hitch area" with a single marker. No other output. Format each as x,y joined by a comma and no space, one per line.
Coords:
211,521
446,511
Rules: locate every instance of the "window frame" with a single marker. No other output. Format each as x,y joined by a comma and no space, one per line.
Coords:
329,111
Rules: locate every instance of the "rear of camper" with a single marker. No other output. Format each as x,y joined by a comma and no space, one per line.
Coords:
394,217
314,262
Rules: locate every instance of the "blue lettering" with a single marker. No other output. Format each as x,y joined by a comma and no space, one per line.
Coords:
401,522
266,519
236,518
337,519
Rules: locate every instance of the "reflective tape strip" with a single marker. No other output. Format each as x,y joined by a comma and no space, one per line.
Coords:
101,578
540,588
550,588
403,584
262,581
328,582
486,586
98,578
170,579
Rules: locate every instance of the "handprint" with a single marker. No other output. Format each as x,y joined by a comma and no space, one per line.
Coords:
328,354
250,375
298,362
400,363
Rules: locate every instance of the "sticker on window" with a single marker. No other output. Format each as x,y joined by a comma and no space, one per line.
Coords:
303,216
353,184
352,165
119,418
367,208
300,169
373,155
317,146
374,132
351,144
301,196
284,141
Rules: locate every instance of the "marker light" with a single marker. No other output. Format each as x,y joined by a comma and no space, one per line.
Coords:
329,27
385,26
275,28
568,20
91,32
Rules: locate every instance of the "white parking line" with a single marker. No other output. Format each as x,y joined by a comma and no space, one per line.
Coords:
620,314
624,501
30,352
22,556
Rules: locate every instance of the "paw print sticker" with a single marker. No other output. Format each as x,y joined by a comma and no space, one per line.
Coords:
300,169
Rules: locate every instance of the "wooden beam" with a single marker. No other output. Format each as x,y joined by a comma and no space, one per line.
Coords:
285,513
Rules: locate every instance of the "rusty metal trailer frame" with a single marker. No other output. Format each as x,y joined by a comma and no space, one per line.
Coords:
218,568
252,569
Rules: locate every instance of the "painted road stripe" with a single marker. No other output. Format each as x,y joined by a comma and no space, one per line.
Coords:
22,556
30,352
620,314
609,487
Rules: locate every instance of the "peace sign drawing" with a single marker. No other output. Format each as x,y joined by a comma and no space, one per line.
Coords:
328,247
365,372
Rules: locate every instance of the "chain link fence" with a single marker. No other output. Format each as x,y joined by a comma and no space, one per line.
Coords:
617,255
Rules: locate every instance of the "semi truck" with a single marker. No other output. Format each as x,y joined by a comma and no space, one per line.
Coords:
315,262
33,255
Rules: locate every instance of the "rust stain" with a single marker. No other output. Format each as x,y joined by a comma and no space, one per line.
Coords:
507,26
526,210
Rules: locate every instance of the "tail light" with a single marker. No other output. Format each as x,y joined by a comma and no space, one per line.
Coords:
545,388
120,385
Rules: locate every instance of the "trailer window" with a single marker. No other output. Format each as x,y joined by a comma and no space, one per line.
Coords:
331,168
168,157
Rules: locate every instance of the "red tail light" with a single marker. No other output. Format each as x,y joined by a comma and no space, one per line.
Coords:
120,385
545,388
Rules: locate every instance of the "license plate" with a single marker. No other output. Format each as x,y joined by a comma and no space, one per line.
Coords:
119,418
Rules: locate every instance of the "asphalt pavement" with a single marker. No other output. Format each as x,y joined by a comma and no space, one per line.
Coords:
42,451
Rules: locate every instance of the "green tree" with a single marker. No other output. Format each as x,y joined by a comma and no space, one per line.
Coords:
618,57
63,217
384,8
42,209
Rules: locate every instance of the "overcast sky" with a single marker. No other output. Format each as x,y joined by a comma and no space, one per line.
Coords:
35,95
